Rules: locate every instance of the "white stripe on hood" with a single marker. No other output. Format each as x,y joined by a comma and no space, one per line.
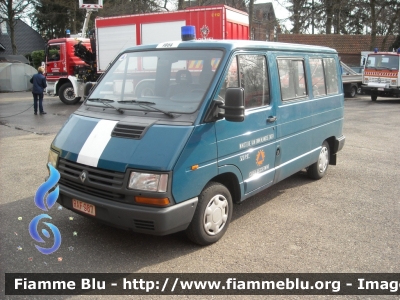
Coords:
96,143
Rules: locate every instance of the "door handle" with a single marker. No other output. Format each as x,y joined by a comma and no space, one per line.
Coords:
271,119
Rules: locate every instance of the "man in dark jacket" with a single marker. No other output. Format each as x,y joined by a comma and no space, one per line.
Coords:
39,84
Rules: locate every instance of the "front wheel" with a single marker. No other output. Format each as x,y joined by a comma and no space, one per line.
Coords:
319,168
212,216
145,89
67,94
374,97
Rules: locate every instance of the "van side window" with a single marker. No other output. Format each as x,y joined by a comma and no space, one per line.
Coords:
317,77
254,79
292,78
331,76
249,72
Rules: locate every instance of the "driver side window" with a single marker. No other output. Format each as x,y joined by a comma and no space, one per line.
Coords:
53,53
249,72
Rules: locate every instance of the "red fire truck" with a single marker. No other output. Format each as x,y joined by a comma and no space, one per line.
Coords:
381,76
83,60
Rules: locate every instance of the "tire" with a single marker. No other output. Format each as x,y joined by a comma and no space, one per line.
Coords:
353,92
67,94
319,168
212,216
145,89
374,97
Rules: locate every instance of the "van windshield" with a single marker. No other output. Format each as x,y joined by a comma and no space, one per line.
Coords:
379,61
169,80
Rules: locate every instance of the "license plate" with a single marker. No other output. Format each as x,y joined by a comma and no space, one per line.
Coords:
381,89
84,207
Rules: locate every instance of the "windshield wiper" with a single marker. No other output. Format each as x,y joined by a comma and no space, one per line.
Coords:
136,101
147,104
105,103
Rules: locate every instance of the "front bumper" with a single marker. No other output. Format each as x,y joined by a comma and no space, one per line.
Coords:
380,91
143,219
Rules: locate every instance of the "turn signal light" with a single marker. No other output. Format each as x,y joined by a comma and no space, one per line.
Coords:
152,201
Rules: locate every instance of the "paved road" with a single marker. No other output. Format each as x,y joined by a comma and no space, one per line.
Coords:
347,222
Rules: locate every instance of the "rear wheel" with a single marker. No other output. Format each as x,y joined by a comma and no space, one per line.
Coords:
212,216
353,92
67,94
374,97
319,168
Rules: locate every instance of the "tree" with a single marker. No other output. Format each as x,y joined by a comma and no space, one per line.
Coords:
301,12
251,12
389,22
53,17
127,7
13,10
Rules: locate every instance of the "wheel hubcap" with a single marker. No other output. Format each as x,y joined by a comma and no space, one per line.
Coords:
215,215
323,160
69,94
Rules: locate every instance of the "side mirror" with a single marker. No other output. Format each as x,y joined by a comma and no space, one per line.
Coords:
234,104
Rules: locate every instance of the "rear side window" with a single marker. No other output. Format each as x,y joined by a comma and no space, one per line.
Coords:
292,78
317,77
249,72
331,76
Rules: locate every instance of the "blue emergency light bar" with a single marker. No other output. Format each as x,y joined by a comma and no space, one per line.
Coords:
188,33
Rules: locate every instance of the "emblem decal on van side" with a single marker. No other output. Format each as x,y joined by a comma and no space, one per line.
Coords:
260,157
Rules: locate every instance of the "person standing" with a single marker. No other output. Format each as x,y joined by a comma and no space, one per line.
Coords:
39,84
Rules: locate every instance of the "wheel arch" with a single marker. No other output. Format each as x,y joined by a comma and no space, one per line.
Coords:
230,180
59,84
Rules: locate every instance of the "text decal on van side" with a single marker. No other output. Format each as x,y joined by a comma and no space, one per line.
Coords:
259,170
256,141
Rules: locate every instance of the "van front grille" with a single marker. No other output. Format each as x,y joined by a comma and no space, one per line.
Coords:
100,183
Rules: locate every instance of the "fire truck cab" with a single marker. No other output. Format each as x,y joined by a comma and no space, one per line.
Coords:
381,75
61,63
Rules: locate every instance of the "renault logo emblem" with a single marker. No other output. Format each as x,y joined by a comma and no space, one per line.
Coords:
83,176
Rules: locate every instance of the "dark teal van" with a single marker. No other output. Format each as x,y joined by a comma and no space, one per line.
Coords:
174,134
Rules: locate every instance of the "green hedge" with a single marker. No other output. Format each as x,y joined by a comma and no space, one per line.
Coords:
37,58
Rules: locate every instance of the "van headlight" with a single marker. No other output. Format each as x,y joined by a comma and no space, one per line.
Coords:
148,182
53,158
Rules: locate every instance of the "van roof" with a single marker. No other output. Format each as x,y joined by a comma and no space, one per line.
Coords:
237,44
